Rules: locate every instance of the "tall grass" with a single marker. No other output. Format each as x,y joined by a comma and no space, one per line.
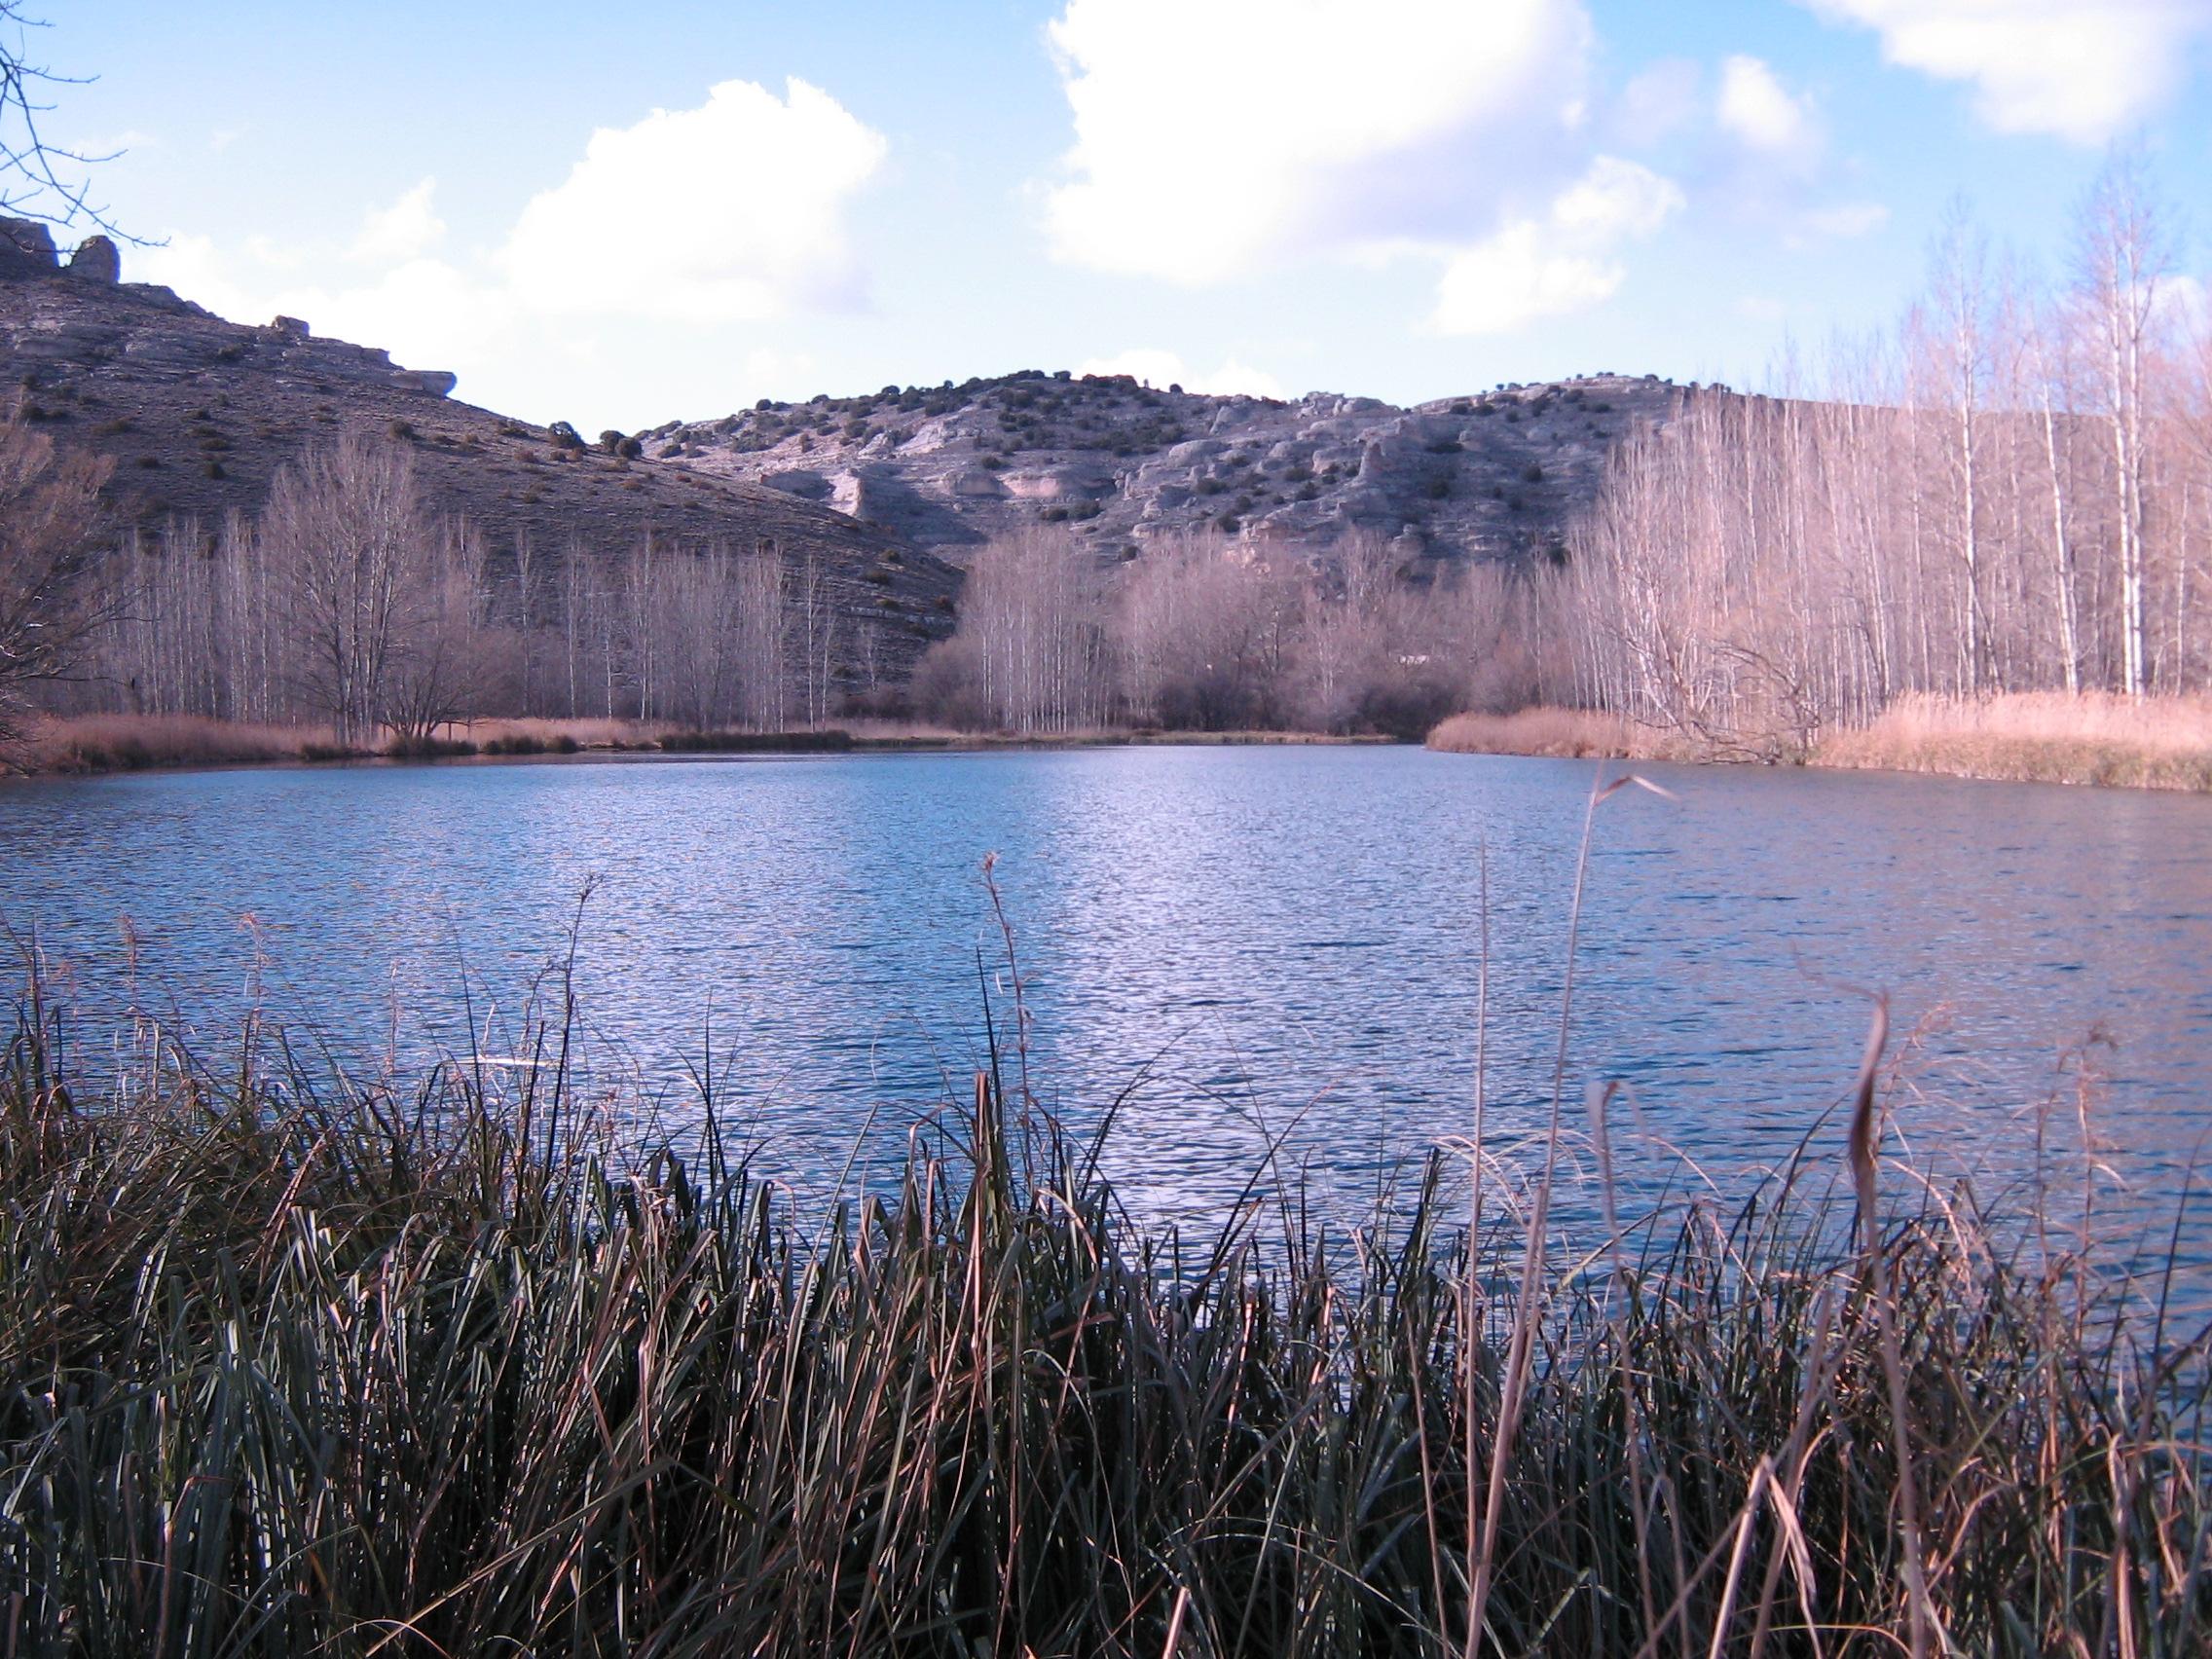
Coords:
1561,733
127,743
2095,738
292,1362
2027,737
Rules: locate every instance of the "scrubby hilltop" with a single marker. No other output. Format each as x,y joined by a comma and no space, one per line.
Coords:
197,414
1485,476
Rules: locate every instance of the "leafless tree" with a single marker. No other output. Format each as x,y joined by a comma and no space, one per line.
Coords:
50,605
2010,495
1030,652
347,526
2121,259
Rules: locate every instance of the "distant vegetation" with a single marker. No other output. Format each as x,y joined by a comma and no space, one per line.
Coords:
2011,493
1200,634
349,604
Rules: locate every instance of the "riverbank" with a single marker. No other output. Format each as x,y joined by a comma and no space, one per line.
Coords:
85,743
2163,743
437,1364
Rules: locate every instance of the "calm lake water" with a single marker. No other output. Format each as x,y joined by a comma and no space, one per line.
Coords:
1243,943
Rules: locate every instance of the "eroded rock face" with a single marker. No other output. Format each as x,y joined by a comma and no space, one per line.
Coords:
97,261
1486,476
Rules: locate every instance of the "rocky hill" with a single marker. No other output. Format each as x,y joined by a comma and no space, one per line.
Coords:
197,414
892,490
1493,475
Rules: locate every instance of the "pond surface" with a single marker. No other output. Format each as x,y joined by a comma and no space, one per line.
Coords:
1243,943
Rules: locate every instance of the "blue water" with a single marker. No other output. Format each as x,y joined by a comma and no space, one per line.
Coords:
1243,944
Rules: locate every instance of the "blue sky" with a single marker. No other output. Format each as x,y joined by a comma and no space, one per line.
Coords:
617,215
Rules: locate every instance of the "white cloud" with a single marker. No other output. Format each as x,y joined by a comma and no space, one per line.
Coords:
1561,263
406,230
773,372
1846,219
1158,368
106,145
1613,200
1213,136
2080,69
733,211
1757,109
426,312
1659,102
192,266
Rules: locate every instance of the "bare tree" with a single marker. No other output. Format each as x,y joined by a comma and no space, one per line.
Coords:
347,527
2015,494
1030,654
1956,342
2121,258
49,607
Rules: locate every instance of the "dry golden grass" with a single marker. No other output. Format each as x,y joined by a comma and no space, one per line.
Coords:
556,735
2049,737
122,742
1571,734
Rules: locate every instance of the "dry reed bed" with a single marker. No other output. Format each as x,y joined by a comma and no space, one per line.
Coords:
124,743
2051,737
1567,734
130,743
2026,737
298,1364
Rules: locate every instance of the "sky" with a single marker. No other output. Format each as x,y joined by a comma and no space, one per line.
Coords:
623,214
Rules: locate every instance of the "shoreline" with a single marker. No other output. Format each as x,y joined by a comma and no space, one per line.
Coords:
119,746
2092,740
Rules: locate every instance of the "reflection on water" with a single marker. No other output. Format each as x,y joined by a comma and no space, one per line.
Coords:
1247,942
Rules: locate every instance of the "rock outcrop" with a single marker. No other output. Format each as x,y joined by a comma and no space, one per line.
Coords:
97,261
1491,475
26,248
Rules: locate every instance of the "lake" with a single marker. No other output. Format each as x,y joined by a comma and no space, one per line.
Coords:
1242,944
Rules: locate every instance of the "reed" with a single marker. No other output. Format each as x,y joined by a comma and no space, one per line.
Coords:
1557,732
295,1361
519,734
125,743
2049,737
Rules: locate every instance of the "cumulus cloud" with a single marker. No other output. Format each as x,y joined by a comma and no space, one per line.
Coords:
733,211
406,230
2080,69
430,314
1565,261
1757,110
1658,103
1213,136
1158,368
